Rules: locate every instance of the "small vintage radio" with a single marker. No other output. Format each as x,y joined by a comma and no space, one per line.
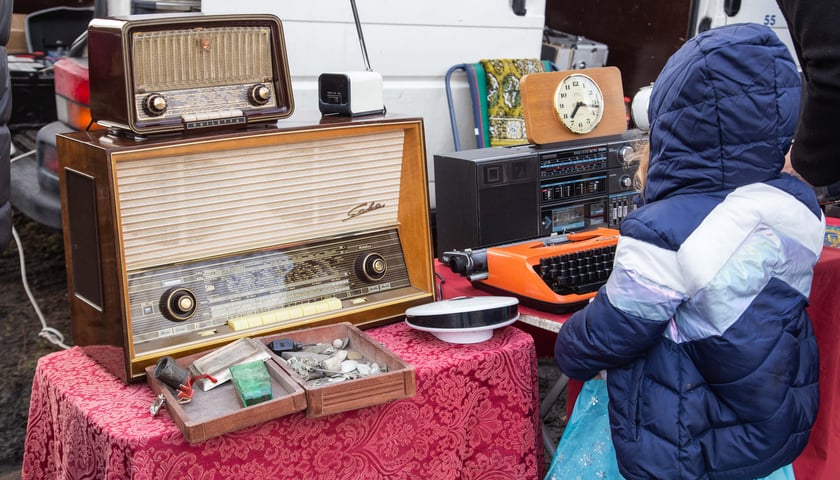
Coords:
177,243
166,73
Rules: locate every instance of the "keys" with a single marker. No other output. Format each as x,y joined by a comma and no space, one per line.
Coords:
579,272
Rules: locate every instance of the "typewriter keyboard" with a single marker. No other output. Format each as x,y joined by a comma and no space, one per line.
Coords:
578,272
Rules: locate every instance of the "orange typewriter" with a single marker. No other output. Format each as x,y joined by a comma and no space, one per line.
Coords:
558,274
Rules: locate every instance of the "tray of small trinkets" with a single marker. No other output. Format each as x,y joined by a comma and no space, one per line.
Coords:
206,400
341,368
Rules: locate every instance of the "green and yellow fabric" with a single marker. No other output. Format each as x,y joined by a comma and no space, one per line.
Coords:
494,93
506,122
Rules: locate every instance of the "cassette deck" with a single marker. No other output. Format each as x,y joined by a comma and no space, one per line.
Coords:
494,196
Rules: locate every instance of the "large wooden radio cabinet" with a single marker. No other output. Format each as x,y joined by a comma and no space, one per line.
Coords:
179,244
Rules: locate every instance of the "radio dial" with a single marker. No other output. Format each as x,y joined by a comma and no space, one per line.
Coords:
155,104
178,304
372,267
624,154
259,94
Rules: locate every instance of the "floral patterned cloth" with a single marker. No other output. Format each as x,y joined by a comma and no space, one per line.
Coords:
475,416
504,104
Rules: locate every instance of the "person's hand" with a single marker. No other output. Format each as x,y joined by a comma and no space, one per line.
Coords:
788,167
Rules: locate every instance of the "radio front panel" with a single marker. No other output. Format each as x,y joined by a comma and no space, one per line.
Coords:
571,186
176,245
182,304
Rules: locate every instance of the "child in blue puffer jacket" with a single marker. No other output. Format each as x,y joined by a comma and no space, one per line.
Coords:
710,356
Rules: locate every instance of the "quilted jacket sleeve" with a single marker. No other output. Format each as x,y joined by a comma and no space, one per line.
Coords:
616,327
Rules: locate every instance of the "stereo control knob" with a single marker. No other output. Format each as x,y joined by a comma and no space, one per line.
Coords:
178,304
625,181
624,154
371,267
155,104
259,94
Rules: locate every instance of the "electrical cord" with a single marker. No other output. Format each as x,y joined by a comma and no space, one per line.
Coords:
50,334
22,155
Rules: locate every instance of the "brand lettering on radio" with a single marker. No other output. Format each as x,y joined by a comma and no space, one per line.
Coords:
363,208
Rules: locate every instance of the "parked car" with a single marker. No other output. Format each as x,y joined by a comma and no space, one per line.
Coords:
34,178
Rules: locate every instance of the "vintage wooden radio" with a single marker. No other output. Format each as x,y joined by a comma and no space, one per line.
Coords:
165,73
177,244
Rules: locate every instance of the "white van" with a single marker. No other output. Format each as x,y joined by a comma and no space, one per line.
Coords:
715,13
411,44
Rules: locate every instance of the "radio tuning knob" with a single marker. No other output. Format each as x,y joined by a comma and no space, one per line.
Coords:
259,94
178,304
371,267
624,154
625,181
154,104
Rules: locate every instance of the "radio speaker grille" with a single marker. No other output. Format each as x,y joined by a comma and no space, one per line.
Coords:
201,57
218,201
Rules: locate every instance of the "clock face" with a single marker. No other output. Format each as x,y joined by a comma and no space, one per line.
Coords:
579,103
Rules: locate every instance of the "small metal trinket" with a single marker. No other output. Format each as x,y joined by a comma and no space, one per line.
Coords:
324,363
157,404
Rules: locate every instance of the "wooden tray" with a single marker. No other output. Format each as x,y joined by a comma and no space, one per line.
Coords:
396,383
218,411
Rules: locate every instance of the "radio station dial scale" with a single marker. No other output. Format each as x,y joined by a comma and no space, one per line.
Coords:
270,287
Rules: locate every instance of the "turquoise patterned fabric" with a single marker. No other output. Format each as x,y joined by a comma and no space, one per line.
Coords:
586,450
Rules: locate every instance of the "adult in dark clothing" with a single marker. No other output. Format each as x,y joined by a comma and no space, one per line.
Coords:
816,38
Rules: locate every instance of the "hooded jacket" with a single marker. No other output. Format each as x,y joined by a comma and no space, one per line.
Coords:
711,359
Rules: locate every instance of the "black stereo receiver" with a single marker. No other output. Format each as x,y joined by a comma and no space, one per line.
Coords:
492,196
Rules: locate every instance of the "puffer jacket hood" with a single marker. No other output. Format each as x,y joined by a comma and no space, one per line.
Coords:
724,109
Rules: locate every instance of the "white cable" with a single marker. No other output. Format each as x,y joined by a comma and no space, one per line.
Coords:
22,155
52,335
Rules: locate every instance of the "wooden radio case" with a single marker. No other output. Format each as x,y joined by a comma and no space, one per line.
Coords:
179,244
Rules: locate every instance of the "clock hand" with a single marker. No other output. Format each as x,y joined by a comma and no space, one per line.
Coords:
579,104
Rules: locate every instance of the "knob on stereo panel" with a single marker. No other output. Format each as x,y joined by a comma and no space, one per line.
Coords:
178,304
624,154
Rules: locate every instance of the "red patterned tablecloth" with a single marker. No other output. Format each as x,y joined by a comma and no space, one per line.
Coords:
475,416
821,458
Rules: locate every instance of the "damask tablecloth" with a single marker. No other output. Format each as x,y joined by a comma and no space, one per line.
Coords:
821,458
475,416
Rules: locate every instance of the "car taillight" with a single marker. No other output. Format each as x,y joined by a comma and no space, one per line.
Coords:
72,92
48,158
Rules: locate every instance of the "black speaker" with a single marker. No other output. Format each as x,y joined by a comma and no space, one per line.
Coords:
486,197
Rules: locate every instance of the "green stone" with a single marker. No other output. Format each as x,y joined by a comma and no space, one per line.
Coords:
252,382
